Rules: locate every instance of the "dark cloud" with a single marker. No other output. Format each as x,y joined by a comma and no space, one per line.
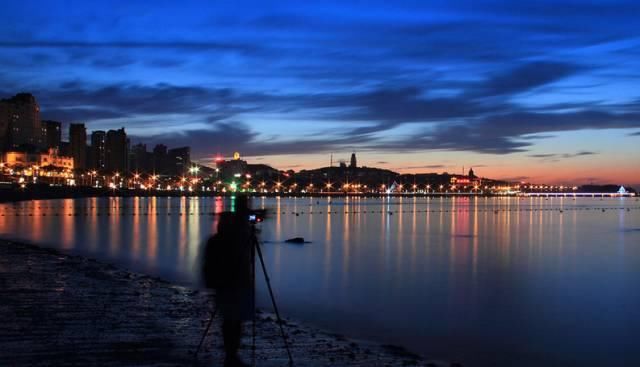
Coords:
227,137
191,45
556,156
537,137
391,106
165,62
516,178
460,137
428,166
131,99
526,77
113,63
637,133
508,133
80,114
457,123
579,154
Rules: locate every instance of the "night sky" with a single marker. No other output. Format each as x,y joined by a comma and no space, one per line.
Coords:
523,90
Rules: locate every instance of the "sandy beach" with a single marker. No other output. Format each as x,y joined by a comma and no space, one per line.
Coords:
66,310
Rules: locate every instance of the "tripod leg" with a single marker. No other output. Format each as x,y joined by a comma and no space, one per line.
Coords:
253,285
206,331
273,302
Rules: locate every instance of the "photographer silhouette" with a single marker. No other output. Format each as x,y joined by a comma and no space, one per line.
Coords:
228,268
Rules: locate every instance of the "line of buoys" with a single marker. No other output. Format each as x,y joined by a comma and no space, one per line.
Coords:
297,214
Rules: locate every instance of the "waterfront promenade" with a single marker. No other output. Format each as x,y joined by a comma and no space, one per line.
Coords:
67,310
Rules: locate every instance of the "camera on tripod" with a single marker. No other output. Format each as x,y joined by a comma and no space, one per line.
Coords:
257,216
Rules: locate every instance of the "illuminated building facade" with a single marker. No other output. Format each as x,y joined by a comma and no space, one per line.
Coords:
232,168
50,159
460,181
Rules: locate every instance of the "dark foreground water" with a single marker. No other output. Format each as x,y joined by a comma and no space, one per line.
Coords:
485,281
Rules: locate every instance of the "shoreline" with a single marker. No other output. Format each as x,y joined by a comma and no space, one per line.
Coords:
18,195
66,309
8,196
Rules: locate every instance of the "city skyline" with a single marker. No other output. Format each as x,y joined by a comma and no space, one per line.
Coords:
542,93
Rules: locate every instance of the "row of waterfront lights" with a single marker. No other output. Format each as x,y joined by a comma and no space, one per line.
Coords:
240,182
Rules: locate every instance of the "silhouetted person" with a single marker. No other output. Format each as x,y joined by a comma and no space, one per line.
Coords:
228,268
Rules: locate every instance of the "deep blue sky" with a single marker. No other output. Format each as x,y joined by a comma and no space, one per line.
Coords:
546,91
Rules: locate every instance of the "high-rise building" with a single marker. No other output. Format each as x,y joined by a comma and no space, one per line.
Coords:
52,134
139,158
20,125
98,150
354,163
4,124
65,149
117,151
160,159
78,144
179,160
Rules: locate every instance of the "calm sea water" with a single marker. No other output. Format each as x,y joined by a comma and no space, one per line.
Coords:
483,281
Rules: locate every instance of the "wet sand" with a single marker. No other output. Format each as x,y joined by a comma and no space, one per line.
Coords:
65,310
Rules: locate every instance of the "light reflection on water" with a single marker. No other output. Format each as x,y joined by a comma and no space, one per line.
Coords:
485,281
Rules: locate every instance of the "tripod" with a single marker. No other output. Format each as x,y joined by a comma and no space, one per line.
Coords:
255,247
